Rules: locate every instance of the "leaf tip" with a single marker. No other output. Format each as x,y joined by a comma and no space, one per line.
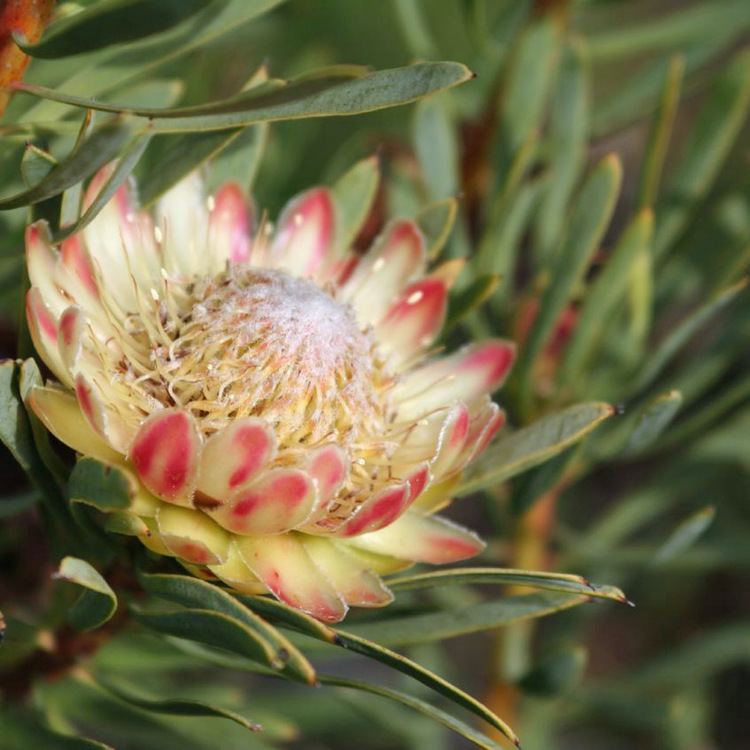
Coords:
612,163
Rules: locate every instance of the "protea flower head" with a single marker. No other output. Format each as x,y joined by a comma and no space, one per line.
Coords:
277,400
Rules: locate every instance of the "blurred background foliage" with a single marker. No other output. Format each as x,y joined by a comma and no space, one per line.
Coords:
599,165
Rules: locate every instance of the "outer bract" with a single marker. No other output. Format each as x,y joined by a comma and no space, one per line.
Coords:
281,404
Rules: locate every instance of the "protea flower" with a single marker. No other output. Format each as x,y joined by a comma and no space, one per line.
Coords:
278,401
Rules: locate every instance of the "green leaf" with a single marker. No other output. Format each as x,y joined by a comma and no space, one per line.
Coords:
562,582
365,647
566,144
240,160
500,245
104,487
192,592
174,157
475,618
123,169
461,728
316,97
711,138
587,225
686,534
96,604
701,418
661,133
353,195
21,732
122,522
36,164
415,28
638,95
30,377
436,222
653,420
26,438
529,81
213,629
436,148
163,92
534,484
605,294
174,707
108,22
112,70
278,611
102,146
534,444
690,25
663,353
15,432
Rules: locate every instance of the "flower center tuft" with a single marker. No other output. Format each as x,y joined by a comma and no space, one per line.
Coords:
260,342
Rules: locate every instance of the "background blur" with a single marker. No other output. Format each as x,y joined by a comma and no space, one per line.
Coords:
561,84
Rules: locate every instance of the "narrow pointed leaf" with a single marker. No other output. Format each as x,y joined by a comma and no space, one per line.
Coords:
605,294
711,139
175,157
175,707
109,22
149,57
123,169
104,144
661,133
20,732
529,81
215,629
730,398
586,228
533,444
36,164
436,148
353,195
436,222
290,616
338,95
686,534
564,583
476,618
192,592
240,159
663,353
375,651
653,420
461,728
698,22
568,131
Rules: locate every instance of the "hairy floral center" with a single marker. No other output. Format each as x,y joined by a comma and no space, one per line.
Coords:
259,342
